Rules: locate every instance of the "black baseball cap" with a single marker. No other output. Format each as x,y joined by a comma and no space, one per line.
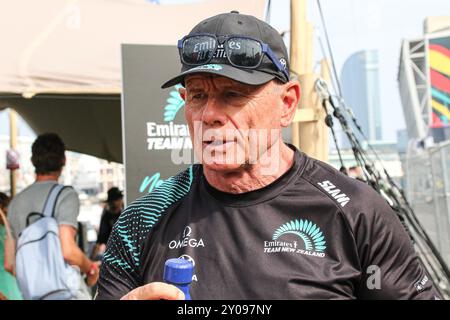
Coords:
114,194
237,24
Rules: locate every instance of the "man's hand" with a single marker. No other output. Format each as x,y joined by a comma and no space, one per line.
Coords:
93,274
155,291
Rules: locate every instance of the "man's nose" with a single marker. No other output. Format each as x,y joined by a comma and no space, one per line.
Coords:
214,113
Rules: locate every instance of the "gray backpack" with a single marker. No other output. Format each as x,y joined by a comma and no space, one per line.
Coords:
42,273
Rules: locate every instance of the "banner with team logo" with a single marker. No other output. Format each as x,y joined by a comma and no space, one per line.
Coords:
439,86
439,69
156,138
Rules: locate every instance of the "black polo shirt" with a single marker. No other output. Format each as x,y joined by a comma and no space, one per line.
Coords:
314,233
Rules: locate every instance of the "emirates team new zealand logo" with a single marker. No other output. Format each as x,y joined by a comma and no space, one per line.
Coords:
312,239
174,104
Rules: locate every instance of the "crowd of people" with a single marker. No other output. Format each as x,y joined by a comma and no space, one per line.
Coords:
20,271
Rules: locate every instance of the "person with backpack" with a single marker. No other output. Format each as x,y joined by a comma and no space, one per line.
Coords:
43,218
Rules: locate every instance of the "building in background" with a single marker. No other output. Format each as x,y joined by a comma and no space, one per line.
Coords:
88,175
424,83
361,92
388,157
91,177
112,174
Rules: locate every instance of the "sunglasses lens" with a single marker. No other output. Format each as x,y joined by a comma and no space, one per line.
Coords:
244,52
198,49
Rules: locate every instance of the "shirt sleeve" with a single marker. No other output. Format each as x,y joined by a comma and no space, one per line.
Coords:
391,267
119,272
68,208
121,269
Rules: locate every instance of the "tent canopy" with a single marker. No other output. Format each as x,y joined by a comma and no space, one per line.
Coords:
60,60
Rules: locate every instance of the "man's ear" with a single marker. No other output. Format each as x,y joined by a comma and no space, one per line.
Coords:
291,98
182,92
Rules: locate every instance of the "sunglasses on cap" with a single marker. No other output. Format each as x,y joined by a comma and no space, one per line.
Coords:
241,52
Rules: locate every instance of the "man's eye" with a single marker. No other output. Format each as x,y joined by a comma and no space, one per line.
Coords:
234,94
198,96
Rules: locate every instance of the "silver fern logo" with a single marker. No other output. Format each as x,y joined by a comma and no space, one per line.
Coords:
174,104
307,231
314,243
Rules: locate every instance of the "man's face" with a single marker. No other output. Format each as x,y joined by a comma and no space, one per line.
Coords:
118,205
231,124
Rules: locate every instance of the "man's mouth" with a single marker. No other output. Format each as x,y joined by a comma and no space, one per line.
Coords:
217,143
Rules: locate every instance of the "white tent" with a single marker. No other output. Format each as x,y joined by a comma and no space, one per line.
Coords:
60,60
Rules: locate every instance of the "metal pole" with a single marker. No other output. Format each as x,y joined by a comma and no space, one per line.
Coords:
297,52
324,130
13,146
311,115
309,132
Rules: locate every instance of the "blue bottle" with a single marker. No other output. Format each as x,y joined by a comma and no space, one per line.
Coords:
179,272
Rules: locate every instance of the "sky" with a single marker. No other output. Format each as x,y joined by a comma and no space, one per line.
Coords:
354,25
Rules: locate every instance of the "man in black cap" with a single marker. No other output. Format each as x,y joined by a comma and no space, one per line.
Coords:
257,218
113,208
